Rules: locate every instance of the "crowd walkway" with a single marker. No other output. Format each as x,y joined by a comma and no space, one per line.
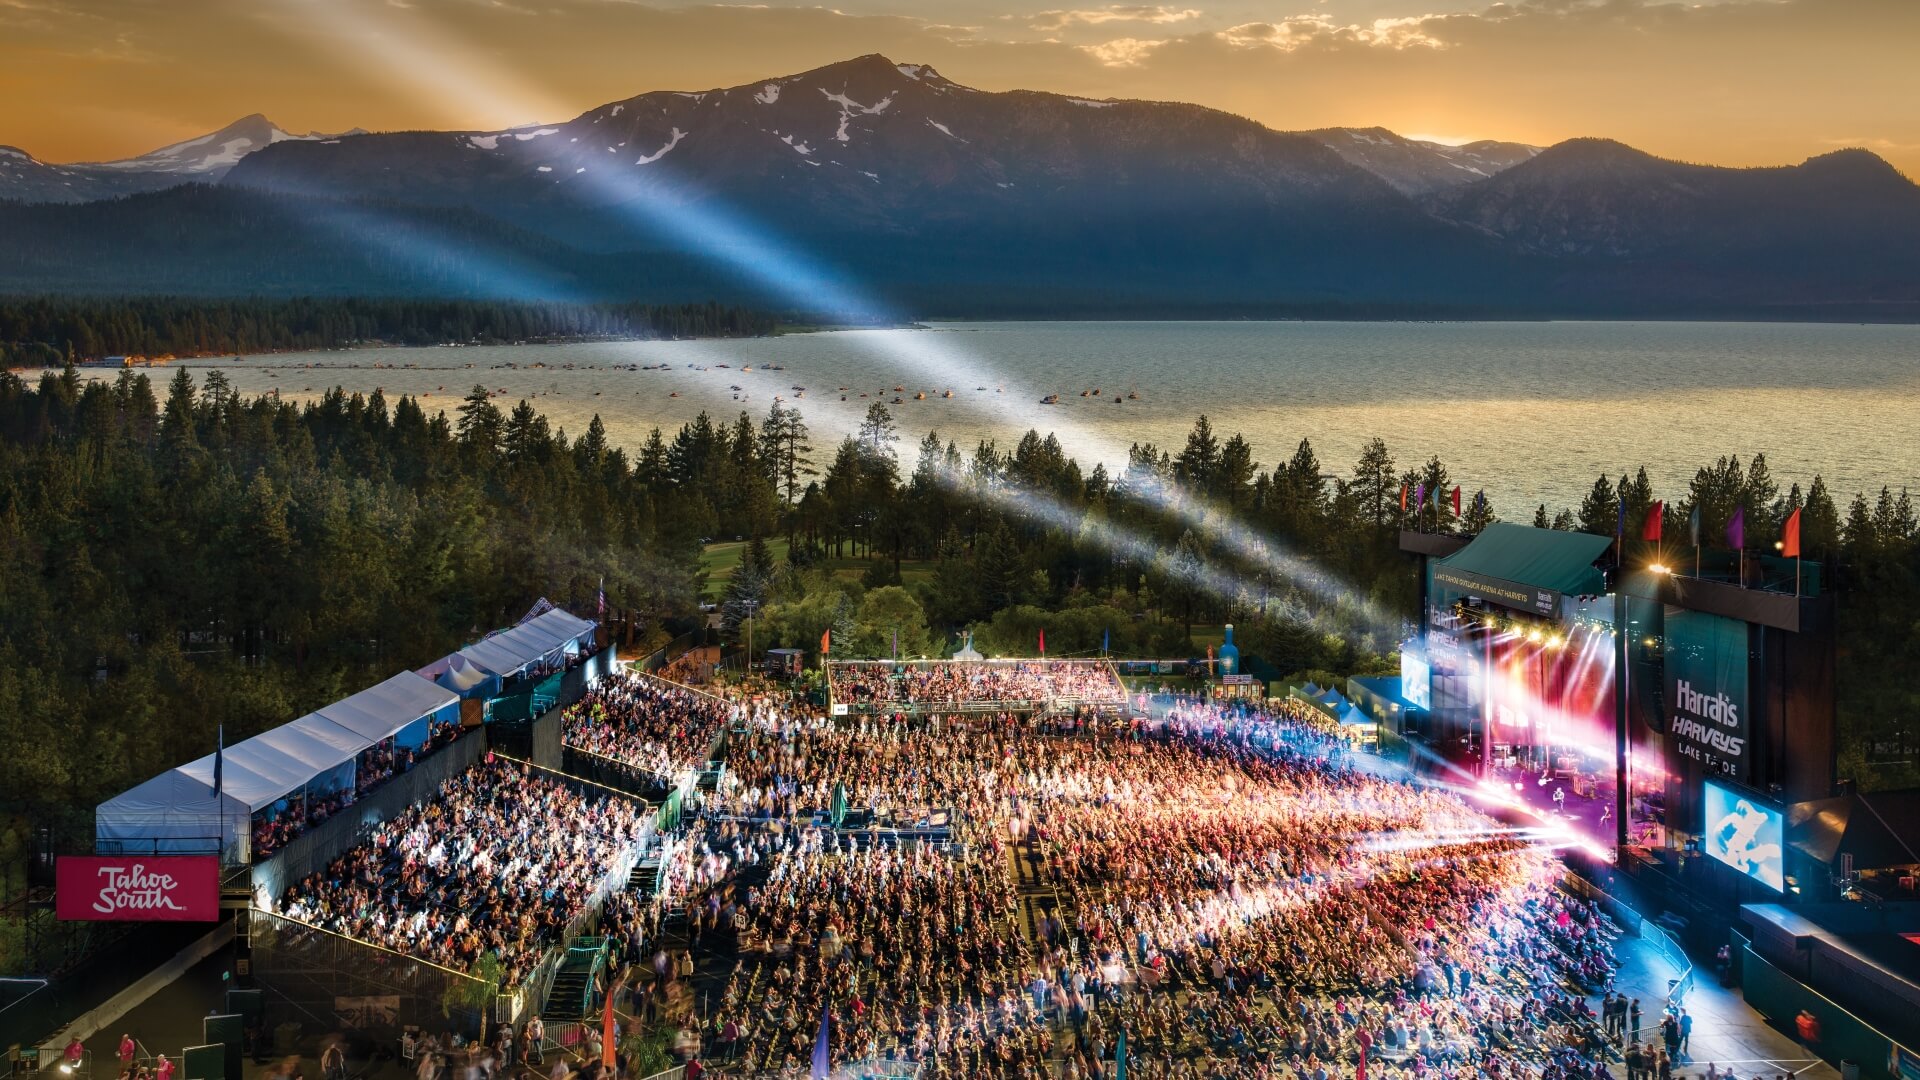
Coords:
1727,1033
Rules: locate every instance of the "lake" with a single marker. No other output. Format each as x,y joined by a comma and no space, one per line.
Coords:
1531,412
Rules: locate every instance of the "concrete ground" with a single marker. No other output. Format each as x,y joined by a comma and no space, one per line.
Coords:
1726,1032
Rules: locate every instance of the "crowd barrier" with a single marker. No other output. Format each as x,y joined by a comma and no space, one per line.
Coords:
326,981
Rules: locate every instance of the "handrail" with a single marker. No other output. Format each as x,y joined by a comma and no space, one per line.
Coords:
1675,954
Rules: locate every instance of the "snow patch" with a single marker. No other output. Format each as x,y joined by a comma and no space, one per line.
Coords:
916,72
799,146
484,142
330,142
944,130
579,170
544,168
768,94
697,97
616,111
875,177
6,151
850,108
523,136
1093,104
662,152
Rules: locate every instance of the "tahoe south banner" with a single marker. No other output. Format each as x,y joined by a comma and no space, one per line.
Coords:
180,888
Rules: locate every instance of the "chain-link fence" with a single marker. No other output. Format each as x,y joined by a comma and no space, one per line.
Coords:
322,978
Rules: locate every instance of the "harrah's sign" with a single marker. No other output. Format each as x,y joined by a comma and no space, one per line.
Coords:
140,888
1715,721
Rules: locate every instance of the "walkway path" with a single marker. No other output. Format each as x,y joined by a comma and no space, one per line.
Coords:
1726,1031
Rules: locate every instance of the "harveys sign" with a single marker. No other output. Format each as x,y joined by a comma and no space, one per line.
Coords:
1707,703
176,888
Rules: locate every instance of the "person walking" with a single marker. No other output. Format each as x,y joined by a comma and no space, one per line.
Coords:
127,1047
1607,1018
1686,1033
1633,1020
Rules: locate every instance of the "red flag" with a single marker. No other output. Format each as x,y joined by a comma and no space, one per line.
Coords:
1651,529
1456,501
609,1047
1403,498
1790,536
826,641
1043,641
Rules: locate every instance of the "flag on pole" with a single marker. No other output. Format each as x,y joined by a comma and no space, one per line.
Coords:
1693,524
609,1038
1620,518
1790,535
1120,1056
826,641
601,602
822,1062
1105,636
896,643
1737,529
219,755
1456,500
1419,496
1403,498
1651,529
1043,641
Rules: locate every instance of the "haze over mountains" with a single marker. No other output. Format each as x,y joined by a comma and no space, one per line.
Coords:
874,185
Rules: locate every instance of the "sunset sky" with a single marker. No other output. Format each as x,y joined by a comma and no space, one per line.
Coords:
1737,82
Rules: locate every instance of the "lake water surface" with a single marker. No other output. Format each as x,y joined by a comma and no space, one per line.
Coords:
1531,412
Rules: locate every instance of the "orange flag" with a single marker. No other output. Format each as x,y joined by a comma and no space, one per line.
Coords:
826,641
1790,536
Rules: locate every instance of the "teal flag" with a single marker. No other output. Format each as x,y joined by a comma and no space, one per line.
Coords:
839,812
1120,1056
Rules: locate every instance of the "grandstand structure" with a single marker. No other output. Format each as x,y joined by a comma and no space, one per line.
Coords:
944,687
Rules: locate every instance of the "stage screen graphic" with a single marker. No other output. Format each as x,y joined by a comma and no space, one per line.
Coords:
1746,834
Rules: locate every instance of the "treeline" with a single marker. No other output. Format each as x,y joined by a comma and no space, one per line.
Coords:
50,331
178,560
1303,558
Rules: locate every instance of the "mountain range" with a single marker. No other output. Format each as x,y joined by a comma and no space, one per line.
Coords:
870,185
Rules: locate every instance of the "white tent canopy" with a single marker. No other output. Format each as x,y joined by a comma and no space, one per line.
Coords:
380,712
456,673
509,651
173,813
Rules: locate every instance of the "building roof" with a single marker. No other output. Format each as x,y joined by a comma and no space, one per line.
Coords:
1878,828
1539,558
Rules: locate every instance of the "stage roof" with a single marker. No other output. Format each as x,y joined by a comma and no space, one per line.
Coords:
1542,558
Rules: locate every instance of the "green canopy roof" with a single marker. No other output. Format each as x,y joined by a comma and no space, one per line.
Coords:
1538,558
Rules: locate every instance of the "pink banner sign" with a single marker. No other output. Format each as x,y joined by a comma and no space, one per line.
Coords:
142,888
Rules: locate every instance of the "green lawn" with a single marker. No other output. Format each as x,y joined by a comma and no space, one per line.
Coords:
720,560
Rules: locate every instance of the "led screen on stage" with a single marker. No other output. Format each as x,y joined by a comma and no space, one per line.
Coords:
1415,675
1745,834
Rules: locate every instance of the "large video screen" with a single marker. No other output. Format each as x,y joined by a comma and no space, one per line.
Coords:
1415,675
1746,835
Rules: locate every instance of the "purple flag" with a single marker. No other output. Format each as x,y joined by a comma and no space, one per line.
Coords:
1737,528
1419,496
